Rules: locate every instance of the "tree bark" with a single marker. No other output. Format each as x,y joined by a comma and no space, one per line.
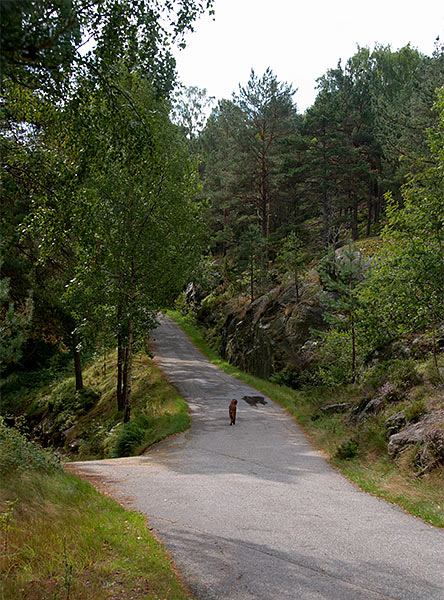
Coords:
354,220
127,367
252,278
120,360
369,216
325,200
353,348
128,363
77,363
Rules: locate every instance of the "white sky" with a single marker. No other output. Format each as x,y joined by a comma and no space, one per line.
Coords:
298,40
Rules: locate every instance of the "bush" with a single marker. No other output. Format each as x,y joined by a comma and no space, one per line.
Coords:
131,436
433,375
415,410
335,358
181,304
17,453
400,374
403,374
288,376
390,393
347,450
375,377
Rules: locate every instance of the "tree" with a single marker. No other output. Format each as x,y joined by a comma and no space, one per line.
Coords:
14,323
42,43
190,111
405,292
251,256
132,220
50,158
269,116
243,147
290,259
341,274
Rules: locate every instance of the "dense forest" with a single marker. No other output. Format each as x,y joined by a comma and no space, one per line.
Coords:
121,191
361,168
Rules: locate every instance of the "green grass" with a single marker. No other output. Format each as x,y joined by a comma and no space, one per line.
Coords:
371,469
60,539
63,540
87,425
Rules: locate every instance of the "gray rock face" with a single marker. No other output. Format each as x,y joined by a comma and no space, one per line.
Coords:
366,408
272,333
414,433
339,407
394,424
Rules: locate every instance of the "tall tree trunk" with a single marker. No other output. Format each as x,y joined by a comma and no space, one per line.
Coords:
77,362
325,200
127,372
224,248
128,363
266,207
353,348
120,363
296,285
435,353
354,219
377,209
252,278
120,352
369,216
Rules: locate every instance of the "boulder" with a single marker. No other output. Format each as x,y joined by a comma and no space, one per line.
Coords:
366,408
395,423
414,433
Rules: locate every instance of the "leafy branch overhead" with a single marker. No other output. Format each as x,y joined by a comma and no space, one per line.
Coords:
100,189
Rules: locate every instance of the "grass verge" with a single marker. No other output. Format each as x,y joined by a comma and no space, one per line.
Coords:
87,425
370,469
63,540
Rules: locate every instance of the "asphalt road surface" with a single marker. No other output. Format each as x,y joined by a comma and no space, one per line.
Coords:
253,511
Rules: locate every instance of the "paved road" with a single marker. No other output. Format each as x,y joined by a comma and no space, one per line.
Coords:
254,512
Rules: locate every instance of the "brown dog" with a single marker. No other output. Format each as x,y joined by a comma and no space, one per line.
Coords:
232,412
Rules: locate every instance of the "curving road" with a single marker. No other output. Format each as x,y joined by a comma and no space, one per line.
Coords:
254,511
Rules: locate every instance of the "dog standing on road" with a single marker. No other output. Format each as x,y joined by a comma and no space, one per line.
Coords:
232,412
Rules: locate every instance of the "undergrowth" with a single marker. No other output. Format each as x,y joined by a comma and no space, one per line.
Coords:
87,425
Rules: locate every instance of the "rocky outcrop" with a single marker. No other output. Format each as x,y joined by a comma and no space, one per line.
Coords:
365,409
414,433
395,423
339,407
274,332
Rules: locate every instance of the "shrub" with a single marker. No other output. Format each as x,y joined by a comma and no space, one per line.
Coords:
335,358
288,377
416,409
181,304
433,375
403,374
347,450
17,453
131,436
390,393
375,377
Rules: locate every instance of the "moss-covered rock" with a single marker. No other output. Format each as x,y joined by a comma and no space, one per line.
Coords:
270,335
